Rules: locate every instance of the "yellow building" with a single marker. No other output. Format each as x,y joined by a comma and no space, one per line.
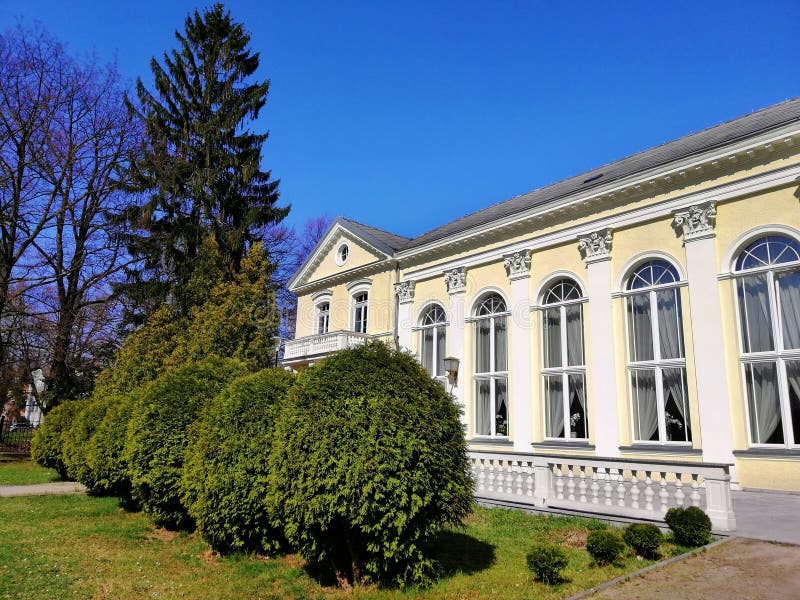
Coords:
626,340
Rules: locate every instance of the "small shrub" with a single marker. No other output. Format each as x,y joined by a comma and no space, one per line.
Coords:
224,483
105,450
691,526
547,560
369,461
596,525
644,538
47,446
157,434
76,439
606,547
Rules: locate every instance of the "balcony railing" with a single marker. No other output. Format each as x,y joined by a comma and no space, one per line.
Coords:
638,489
317,346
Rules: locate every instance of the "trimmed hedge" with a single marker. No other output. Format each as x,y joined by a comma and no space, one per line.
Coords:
76,439
105,449
47,446
369,460
547,560
605,546
225,475
157,434
691,526
644,538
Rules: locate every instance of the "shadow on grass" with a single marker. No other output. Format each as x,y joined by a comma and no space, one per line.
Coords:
461,553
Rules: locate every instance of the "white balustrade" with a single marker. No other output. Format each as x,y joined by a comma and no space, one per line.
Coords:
605,486
322,344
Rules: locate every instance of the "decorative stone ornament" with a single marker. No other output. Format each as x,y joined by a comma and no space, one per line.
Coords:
696,222
517,264
404,291
595,246
455,280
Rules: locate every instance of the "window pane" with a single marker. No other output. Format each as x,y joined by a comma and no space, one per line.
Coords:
640,329
766,426
574,335
552,337
645,411
440,350
755,313
482,332
793,376
554,406
670,329
578,423
483,412
500,343
676,405
427,350
789,300
501,405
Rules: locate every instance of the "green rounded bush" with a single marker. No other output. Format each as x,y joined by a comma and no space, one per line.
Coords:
76,439
691,526
369,461
644,538
547,560
105,449
224,483
605,546
158,434
47,446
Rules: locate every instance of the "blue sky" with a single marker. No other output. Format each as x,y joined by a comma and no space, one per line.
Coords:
406,115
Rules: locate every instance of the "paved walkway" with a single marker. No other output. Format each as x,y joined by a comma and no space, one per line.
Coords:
42,489
769,516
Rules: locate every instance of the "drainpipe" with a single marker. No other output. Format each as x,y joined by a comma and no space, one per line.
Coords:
396,307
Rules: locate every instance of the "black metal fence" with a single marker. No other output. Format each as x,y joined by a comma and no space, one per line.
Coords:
16,434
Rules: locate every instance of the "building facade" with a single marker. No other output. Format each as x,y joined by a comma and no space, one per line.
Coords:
645,314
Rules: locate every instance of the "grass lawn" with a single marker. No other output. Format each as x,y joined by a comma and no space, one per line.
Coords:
84,547
23,471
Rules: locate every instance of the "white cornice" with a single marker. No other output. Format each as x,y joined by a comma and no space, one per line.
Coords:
742,187
345,276
681,169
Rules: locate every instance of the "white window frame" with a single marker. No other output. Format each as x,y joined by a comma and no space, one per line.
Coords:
565,370
657,364
779,356
359,305
492,376
323,314
439,328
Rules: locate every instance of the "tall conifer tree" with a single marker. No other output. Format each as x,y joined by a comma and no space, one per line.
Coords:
200,168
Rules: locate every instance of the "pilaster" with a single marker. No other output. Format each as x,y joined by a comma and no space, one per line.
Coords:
404,291
518,267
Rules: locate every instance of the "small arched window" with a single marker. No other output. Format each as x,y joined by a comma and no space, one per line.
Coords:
768,294
656,354
433,340
323,317
563,368
491,370
360,301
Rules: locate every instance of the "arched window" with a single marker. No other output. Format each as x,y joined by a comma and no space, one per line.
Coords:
491,370
432,340
768,294
323,317
563,368
360,312
657,357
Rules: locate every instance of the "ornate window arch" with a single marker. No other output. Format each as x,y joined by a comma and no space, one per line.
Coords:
491,365
657,354
563,362
433,340
767,275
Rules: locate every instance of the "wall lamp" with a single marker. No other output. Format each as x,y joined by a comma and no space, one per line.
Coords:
451,368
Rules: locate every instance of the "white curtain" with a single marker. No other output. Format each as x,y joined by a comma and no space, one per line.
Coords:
440,350
427,351
554,394
500,345
578,413
669,323
574,335
552,337
501,407
793,375
755,313
640,326
482,332
789,297
644,388
765,410
483,405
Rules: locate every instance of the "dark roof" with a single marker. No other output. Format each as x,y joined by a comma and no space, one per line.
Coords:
383,240
726,133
